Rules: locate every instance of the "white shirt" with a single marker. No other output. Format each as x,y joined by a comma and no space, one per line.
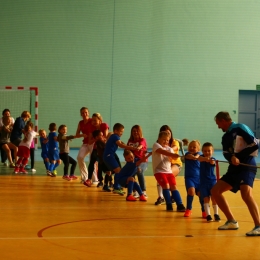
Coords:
161,163
30,135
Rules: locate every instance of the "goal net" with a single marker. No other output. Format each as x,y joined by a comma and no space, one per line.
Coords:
19,99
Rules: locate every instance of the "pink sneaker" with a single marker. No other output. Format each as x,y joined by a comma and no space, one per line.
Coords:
187,213
73,177
67,178
87,183
16,170
204,214
22,170
130,198
142,198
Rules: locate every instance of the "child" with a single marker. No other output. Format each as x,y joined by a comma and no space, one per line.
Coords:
32,151
64,152
208,180
110,149
6,145
24,149
100,141
53,152
162,155
45,148
192,176
125,176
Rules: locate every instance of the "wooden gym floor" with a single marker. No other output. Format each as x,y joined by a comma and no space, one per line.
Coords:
50,218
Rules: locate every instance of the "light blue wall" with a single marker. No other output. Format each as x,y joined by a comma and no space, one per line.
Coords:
145,62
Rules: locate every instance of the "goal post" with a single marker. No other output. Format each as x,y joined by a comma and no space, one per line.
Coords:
19,99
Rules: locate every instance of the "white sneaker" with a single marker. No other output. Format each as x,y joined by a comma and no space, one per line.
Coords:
229,225
136,195
254,232
33,170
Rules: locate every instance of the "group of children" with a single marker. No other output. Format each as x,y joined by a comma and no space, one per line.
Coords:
166,161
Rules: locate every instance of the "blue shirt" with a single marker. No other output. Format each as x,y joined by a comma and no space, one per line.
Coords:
53,145
192,168
207,174
128,170
44,146
111,146
17,132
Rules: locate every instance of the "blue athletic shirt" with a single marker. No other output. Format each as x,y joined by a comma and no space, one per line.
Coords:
111,146
228,141
53,145
44,146
129,169
192,167
207,174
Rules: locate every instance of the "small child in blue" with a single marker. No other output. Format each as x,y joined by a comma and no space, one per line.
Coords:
110,150
208,179
192,176
53,152
45,148
125,176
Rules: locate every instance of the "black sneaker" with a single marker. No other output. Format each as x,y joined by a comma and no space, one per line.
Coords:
169,207
106,188
173,201
159,201
209,218
100,184
216,217
181,208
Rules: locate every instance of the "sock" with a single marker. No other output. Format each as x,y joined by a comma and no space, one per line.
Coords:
56,165
130,187
138,188
189,201
177,197
207,209
201,203
51,167
47,164
167,196
159,190
215,208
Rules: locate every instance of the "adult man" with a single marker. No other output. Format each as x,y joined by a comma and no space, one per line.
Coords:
238,177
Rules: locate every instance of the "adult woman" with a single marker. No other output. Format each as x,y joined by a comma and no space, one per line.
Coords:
96,124
84,127
136,140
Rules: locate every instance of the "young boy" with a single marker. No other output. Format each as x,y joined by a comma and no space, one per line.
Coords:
45,148
208,180
161,160
111,147
125,176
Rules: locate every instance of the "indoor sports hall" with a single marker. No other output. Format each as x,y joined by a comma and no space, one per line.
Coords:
147,63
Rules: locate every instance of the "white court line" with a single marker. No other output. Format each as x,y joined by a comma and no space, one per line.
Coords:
118,237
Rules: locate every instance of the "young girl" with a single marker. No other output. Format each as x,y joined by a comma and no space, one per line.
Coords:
192,176
45,148
136,140
162,156
5,143
64,152
53,152
24,149
208,180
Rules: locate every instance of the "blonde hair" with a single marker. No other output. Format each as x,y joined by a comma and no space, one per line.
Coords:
41,131
26,114
98,116
197,142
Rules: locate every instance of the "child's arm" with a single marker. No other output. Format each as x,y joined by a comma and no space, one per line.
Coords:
124,146
143,159
192,157
166,153
206,159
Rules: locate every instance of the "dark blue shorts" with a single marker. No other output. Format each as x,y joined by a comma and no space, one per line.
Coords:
192,183
238,177
206,188
111,162
54,155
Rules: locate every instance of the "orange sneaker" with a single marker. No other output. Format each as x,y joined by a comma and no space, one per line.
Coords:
204,214
187,213
130,198
142,198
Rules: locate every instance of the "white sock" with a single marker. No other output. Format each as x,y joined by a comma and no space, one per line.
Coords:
215,208
159,190
207,208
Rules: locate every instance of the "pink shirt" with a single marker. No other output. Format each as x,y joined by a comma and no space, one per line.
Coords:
141,141
85,128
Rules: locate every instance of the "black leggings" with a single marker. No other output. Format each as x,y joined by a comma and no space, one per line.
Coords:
32,157
67,160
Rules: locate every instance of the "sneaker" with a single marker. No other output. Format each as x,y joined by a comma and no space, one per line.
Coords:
169,207
73,177
54,172
87,183
216,217
12,165
229,225
66,177
100,184
144,192
254,232
136,195
27,167
181,208
209,218
33,170
204,214
187,213
48,173
142,198
22,170
159,201
130,198
16,170
106,188
119,192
